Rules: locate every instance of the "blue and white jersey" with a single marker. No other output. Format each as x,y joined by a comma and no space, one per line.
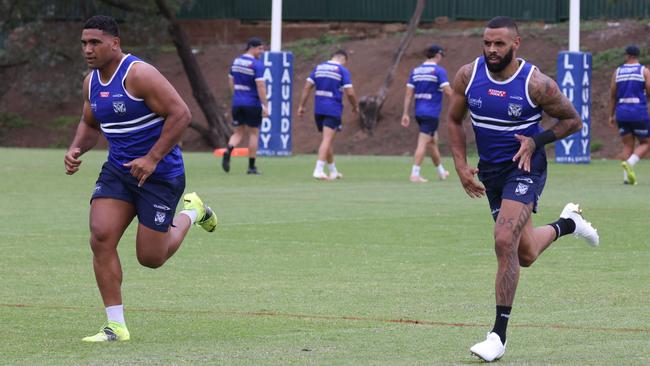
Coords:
631,100
130,127
329,78
245,70
501,109
427,80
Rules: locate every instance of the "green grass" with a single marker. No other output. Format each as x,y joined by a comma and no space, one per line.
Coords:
302,272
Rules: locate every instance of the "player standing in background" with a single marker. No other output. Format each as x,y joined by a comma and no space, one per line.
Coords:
249,103
329,78
426,83
628,108
143,118
505,96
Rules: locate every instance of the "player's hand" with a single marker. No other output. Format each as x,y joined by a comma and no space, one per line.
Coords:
406,120
612,122
526,150
265,110
473,187
142,168
301,111
71,160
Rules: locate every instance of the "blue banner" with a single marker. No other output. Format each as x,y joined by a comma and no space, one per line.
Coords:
574,79
275,132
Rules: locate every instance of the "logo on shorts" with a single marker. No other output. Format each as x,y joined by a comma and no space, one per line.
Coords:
161,207
521,189
160,218
514,110
119,107
525,179
98,188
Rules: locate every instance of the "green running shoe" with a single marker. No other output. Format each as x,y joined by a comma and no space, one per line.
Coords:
206,218
110,332
631,176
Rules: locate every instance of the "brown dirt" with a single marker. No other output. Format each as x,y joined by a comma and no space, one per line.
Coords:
369,60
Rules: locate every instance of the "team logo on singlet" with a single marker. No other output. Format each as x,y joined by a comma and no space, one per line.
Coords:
160,218
119,107
521,189
475,102
514,110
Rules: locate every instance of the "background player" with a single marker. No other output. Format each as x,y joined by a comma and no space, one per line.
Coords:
506,96
628,108
426,83
142,117
329,78
249,103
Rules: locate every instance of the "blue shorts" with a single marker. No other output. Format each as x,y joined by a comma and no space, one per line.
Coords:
428,125
636,128
327,121
155,202
507,181
247,115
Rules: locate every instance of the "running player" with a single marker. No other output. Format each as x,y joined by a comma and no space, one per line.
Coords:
628,108
426,83
505,96
142,117
329,78
249,103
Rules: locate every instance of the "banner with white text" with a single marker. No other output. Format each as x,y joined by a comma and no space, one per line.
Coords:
275,132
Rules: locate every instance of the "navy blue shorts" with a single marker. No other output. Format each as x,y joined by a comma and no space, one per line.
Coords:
507,181
327,121
636,128
428,125
247,115
155,202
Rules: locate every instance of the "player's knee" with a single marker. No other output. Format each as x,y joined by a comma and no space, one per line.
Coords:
503,244
100,239
151,261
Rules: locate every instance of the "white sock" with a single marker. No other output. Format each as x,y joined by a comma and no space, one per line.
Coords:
633,159
192,214
115,313
319,166
441,169
625,175
332,168
415,171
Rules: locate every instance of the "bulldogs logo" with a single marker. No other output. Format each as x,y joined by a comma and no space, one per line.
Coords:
119,107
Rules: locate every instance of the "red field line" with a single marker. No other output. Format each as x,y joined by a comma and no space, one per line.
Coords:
341,317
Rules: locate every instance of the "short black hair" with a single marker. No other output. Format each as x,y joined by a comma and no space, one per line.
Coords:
503,22
253,42
632,50
434,50
341,53
104,23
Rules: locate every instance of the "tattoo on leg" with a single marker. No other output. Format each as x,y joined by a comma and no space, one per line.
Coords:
508,277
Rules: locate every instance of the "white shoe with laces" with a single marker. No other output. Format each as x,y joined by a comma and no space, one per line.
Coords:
320,175
583,229
491,349
335,176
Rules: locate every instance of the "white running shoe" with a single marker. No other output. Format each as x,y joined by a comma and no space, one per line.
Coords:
335,176
320,175
583,227
491,349
417,179
444,175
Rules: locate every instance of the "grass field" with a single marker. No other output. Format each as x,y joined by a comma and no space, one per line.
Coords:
302,272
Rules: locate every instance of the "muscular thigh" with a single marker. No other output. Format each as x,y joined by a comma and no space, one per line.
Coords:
109,218
513,218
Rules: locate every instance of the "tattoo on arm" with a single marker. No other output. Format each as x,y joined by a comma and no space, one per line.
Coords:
545,92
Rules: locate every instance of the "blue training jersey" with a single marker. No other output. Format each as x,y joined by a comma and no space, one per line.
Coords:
130,127
631,100
427,80
501,109
245,71
329,78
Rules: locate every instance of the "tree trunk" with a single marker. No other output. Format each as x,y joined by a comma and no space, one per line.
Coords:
370,105
217,131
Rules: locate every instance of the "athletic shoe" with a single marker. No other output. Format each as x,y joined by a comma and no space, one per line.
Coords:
583,227
205,217
417,179
320,175
225,162
631,176
335,176
253,171
110,332
491,349
444,175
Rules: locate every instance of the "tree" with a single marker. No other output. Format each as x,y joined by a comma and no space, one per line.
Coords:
370,105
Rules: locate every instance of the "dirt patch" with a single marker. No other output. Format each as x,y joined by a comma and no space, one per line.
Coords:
369,60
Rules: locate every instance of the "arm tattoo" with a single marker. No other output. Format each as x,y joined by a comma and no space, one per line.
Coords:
545,92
